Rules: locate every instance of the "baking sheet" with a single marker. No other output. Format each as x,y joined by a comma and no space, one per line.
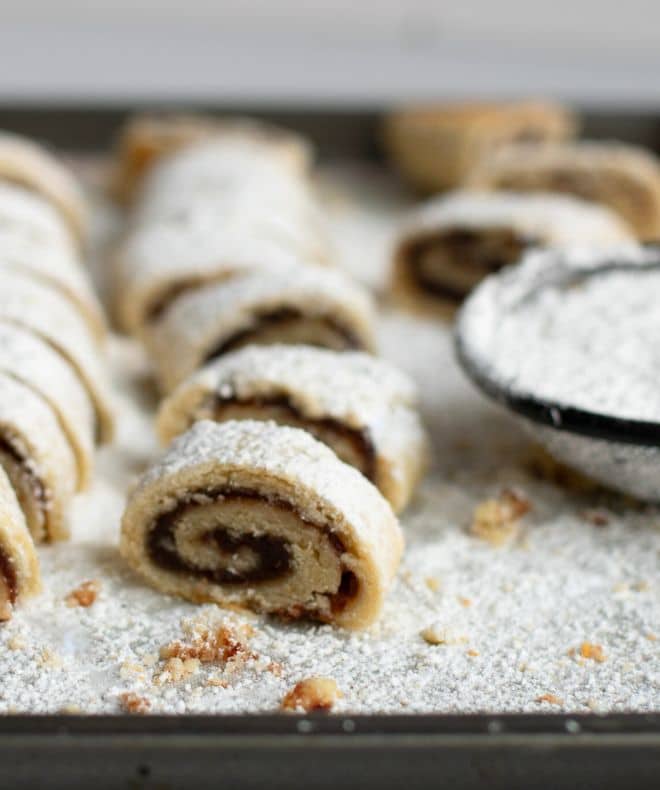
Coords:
514,617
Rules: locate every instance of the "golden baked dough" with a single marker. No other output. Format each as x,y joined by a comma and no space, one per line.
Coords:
292,304
625,178
435,147
37,459
145,139
255,514
363,408
450,243
19,566
24,162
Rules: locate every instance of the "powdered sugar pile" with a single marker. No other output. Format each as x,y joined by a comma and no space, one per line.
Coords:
513,619
579,340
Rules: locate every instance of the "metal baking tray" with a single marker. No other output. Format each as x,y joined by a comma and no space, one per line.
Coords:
291,751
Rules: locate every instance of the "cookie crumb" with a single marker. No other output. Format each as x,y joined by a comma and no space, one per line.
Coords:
133,703
466,602
16,643
177,669
437,634
312,694
210,646
652,637
432,583
551,699
496,520
84,595
593,652
472,653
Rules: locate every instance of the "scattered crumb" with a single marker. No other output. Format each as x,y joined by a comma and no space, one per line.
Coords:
84,595
16,643
177,669
275,668
312,694
133,703
216,680
592,651
130,669
641,586
551,699
464,601
438,634
432,583
496,520
472,652
211,646
652,637
49,658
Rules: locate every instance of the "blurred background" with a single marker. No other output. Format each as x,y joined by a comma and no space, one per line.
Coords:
312,63
326,52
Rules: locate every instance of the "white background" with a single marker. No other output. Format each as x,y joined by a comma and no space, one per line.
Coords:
363,52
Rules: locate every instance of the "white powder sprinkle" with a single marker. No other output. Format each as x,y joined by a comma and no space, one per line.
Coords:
531,602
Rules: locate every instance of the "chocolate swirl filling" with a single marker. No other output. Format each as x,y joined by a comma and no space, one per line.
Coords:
240,558
30,490
352,445
449,264
290,325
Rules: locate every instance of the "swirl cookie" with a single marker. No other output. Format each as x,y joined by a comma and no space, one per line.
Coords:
34,239
259,515
361,407
19,566
37,459
624,178
204,214
435,147
29,359
44,311
146,139
294,304
28,164
452,242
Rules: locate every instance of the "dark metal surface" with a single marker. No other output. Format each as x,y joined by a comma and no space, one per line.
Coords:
336,133
289,752
539,752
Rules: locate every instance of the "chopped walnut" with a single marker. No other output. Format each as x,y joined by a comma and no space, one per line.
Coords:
133,703
496,520
592,651
177,669
83,595
210,646
551,699
312,694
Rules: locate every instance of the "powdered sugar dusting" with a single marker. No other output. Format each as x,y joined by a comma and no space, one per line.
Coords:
517,615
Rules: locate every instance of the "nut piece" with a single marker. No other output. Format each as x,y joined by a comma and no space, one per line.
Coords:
83,595
312,694
133,703
594,652
496,520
